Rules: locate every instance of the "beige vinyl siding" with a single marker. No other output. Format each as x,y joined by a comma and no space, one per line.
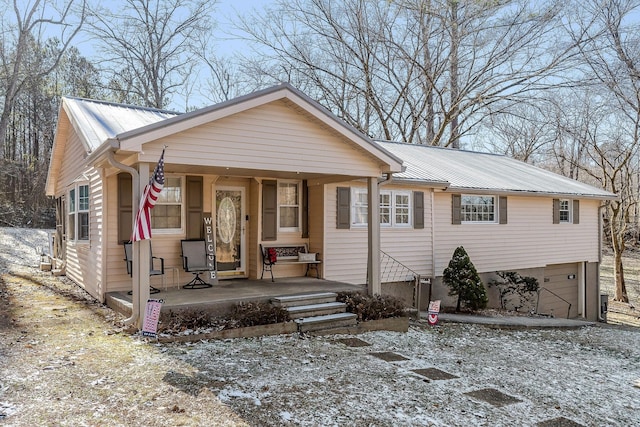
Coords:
317,225
530,239
562,290
72,167
254,263
164,246
84,259
272,137
345,255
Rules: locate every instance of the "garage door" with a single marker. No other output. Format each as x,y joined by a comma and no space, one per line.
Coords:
559,289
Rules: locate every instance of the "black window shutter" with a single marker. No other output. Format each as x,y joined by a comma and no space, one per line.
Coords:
576,211
305,210
502,202
125,211
418,209
269,210
194,197
456,209
556,211
343,206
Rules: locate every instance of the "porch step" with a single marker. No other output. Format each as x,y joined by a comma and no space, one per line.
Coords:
311,310
329,321
303,299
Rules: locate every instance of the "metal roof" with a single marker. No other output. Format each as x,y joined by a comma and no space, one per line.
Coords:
475,171
98,121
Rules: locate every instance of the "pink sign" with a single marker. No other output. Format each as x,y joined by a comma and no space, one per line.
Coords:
151,317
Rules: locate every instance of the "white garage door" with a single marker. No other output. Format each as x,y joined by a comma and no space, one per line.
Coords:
559,289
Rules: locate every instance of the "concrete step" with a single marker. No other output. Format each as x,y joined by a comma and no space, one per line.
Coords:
329,321
303,299
311,310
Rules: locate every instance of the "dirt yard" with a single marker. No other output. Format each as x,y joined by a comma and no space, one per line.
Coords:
65,361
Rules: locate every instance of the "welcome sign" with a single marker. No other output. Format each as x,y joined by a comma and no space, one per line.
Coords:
210,246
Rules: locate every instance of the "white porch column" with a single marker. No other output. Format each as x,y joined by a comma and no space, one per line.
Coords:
141,251
373,259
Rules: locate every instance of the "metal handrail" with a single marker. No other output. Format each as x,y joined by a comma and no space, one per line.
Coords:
557,296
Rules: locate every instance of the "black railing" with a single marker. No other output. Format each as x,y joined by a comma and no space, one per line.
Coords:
393,271
557,296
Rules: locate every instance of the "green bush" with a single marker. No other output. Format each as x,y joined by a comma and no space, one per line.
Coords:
463,281
375,307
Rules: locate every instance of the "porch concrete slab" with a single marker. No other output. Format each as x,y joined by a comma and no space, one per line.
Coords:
228,292
511,321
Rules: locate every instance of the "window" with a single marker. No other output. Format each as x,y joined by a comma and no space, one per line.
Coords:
395,208
402,209
288,206
78,224
359,215
167,213
565,211
478,208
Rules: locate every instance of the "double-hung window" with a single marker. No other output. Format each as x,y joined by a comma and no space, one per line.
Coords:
167,213
395,208
359,206
78,227
289,205
565,210
478,208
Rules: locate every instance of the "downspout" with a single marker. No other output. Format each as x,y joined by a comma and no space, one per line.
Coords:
135,312
600,231
433,242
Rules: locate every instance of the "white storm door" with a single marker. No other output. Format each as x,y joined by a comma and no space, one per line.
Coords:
230,231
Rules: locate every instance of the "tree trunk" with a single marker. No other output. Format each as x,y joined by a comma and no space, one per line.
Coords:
617,242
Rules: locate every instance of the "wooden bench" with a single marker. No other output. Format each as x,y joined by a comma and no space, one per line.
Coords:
287,255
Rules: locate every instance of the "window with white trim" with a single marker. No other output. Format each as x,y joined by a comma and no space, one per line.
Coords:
78,213
359,206
289,205
565,210
478,208
395,208
166,215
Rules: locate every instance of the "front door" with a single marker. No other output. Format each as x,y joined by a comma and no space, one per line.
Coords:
230,232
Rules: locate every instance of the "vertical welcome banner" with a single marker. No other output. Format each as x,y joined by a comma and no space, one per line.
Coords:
151,318
210,246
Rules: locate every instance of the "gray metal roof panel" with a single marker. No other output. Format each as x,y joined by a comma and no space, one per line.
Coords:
99,120
483,171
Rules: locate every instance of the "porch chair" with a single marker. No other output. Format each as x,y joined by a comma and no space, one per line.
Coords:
152,264
194,260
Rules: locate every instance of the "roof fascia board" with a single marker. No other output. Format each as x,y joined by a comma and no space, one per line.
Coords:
609,196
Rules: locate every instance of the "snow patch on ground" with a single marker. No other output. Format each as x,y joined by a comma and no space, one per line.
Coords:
585,375
21,247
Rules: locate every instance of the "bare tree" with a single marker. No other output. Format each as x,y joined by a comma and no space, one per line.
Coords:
610,53
150,47
424,71
24,29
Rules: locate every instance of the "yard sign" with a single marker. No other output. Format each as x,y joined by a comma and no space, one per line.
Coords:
151,317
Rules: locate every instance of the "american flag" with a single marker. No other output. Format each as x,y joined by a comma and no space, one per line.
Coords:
142,225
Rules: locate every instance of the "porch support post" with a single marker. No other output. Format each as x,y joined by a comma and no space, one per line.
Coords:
141,249
373,258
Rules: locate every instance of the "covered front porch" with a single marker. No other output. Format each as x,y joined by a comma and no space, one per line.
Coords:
220,297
